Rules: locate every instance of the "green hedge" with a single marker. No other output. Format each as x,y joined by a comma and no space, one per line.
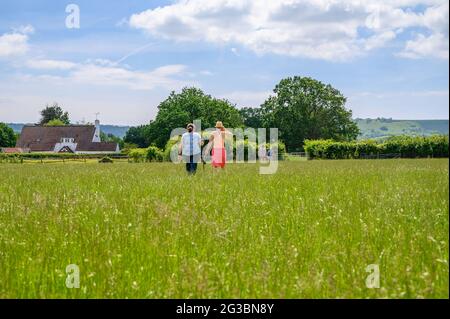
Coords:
403,146
150,154
20,157
247,146
56,155
253,147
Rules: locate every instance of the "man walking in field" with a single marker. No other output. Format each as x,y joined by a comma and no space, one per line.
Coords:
190,149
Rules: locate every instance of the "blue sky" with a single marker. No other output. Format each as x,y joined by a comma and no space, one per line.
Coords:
389,58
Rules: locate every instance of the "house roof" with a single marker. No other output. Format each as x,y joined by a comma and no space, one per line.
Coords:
14,150
44,138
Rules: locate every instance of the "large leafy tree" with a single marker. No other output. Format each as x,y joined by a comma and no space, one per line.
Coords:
7,136
111,138
54,112
304,108
185,107
55,122
252,117
138,135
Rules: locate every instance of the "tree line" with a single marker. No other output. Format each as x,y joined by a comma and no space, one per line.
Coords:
300,107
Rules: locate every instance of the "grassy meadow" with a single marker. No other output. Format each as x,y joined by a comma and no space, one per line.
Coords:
150,231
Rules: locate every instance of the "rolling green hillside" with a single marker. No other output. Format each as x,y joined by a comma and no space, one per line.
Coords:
379,128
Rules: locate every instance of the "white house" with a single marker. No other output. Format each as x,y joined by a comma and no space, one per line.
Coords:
78,139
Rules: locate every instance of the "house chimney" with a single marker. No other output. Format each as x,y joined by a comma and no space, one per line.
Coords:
96,138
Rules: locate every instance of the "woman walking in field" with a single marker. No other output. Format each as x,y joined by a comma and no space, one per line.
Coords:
217,139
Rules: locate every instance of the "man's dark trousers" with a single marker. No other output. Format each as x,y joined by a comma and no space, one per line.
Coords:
191,163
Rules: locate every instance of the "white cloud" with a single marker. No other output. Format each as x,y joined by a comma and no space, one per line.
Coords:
16,42
325,29
50,64
434,44
422,46
12,44
379,40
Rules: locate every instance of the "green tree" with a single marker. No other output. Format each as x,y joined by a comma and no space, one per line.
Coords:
54,112
138,136
55,122
111,138
304,108
185,107
7,136
252,117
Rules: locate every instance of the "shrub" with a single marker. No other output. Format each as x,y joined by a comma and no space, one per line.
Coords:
150,154
105,159
10,158
247,146
168,150
127,148
154,154
138,155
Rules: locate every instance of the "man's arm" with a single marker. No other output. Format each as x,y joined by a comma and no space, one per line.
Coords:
200,141
180,146
208,147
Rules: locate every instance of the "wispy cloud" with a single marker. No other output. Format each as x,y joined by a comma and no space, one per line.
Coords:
206,73
108,73
24,29
96,74
50,64
134,52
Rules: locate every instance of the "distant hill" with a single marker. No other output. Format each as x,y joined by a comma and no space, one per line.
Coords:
370,128
379,128
116,130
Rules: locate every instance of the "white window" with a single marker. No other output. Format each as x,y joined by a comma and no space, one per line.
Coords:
67,140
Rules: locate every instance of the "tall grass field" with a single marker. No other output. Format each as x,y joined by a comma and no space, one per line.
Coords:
150,231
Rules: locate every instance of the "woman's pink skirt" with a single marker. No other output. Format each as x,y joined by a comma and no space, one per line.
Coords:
218,157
